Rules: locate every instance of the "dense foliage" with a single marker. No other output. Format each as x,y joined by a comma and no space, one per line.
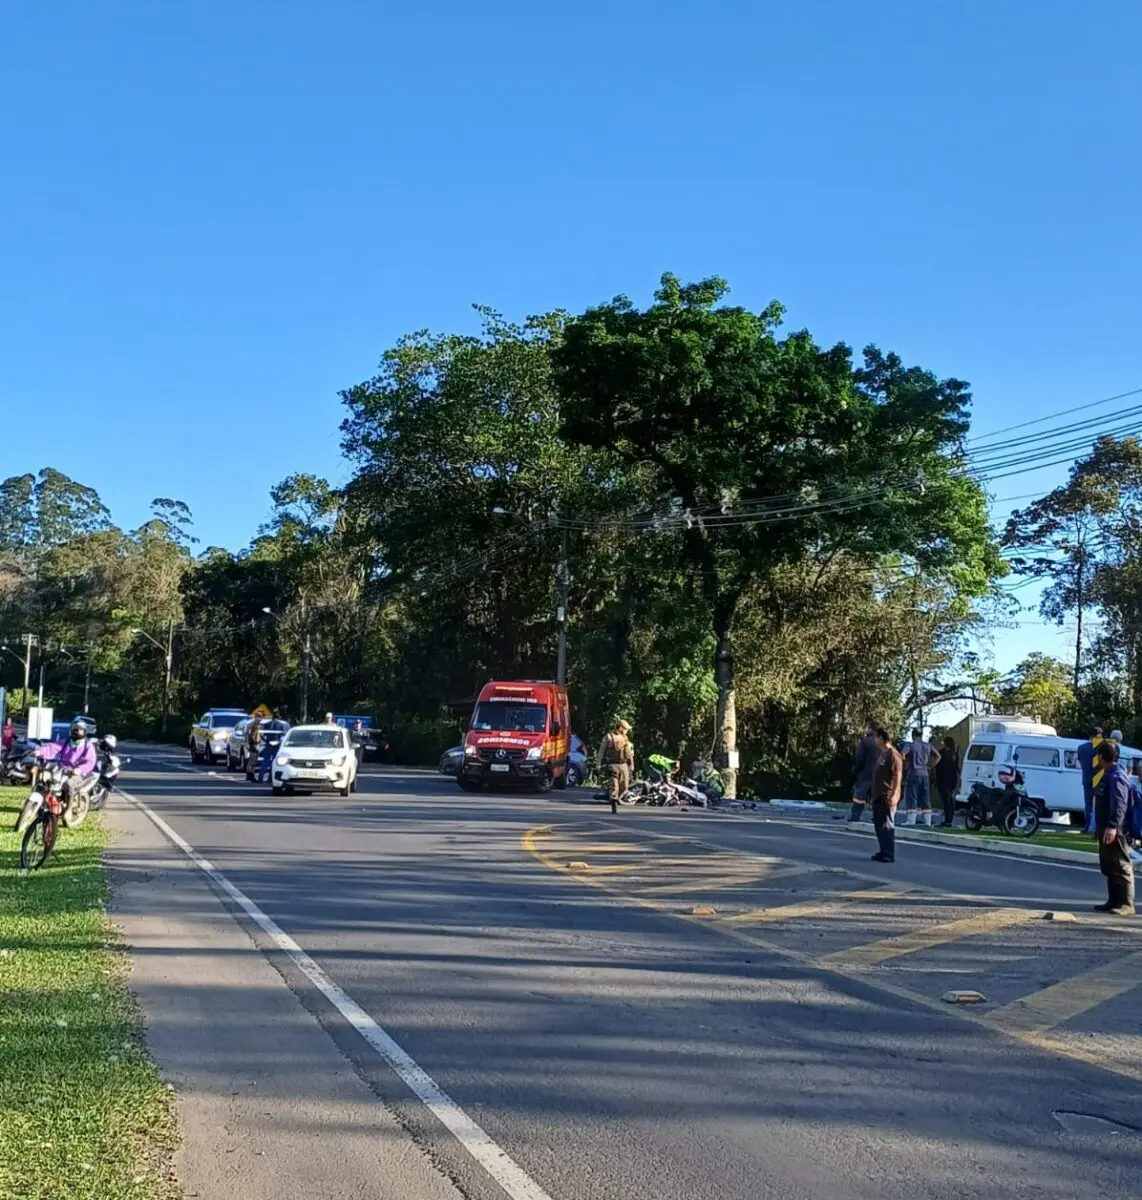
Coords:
770,541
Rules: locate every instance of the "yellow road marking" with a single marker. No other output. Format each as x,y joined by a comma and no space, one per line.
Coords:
935,935
1075,1051
1060,1002
815,908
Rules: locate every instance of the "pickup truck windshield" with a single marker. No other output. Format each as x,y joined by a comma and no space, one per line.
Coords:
510,715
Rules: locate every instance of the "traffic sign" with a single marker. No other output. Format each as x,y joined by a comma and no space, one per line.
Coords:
261,711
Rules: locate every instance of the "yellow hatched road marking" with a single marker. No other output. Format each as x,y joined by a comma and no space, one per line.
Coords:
816,908
735,874
935,935
1063,1048
1072,997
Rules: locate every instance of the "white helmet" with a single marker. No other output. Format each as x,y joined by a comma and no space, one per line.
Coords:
111,741
1116,735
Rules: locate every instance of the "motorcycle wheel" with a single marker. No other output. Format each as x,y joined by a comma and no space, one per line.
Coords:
28,812
635,794
974,819
76,812
1020,821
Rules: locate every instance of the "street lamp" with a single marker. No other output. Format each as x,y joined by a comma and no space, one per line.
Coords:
168,653
8,649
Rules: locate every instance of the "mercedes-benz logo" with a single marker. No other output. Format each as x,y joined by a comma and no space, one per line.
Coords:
501,754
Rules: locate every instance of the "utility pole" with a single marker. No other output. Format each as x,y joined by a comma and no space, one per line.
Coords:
563,577
41,699
305,652
87,684
29,641
167,679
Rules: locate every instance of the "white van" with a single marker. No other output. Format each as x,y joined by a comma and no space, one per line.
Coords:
1050,767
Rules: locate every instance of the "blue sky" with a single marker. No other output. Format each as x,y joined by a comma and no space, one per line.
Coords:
214,213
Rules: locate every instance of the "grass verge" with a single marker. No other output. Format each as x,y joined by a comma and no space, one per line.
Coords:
83,1114
1045,837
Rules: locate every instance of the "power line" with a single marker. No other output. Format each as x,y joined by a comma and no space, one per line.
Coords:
1066,412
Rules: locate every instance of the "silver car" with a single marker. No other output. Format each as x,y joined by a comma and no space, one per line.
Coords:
236,749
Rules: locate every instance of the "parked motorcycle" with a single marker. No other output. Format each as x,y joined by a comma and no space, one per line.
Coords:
1008,808
110,765
18,763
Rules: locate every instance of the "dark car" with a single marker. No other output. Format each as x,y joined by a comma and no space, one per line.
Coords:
450,760
376,745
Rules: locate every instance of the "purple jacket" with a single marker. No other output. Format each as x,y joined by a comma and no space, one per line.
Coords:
83,758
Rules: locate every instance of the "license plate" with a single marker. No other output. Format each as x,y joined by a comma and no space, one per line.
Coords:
308,773
501,767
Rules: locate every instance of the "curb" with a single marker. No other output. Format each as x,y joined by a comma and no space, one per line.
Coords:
986,845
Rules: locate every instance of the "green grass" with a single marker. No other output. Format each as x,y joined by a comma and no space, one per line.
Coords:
1045,837
83,1114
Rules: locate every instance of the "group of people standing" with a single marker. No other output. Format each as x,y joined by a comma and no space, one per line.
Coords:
885,776
1113,798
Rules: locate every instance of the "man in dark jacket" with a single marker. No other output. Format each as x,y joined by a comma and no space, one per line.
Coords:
867,756
1112,801
1086,754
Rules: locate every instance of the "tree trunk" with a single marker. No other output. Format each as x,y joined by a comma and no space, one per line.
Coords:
727,713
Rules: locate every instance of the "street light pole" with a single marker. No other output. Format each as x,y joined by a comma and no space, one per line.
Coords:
563,575
305,653
167,680
168,651
563,579
29,638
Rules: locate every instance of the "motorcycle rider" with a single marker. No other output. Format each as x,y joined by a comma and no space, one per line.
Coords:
77,755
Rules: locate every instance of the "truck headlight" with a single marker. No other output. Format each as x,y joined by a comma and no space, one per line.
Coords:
470,751
338,760
535,752
283,758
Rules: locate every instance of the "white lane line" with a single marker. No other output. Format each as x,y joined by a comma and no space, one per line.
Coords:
499,1165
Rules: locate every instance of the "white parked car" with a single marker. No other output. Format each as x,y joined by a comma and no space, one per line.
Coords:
315,758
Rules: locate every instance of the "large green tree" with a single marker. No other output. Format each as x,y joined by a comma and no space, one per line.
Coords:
766,450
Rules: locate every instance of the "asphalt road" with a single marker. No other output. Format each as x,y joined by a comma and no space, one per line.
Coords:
653,1005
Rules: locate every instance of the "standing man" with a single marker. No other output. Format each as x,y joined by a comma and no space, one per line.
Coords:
920,757
329,719
616,760
253,748
358,739
948,779
1086,754
885,793
864,767
1112,827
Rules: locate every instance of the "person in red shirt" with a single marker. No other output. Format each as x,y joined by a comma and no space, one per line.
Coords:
9,734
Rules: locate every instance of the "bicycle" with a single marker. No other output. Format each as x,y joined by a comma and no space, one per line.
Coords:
39,818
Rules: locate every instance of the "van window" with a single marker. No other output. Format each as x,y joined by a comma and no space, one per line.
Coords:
1071,759
1036,756
981,752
